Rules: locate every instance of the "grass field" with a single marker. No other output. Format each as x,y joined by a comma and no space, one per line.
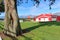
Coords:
38,31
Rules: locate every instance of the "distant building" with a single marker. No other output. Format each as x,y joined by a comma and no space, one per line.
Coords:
57,16
20,20
45,18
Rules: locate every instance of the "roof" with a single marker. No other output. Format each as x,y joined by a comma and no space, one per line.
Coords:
43,15
57,14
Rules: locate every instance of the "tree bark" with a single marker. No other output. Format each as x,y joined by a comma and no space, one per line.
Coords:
12,25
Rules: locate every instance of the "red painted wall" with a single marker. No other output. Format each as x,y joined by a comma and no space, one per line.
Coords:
50,19
58,18
43,16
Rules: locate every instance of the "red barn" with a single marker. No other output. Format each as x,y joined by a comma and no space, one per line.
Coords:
58,18
43,18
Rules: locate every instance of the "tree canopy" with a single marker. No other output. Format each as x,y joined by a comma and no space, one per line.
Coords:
1,6
51,2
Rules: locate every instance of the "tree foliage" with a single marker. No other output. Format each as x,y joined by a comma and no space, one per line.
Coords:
1,6
37,2
51,2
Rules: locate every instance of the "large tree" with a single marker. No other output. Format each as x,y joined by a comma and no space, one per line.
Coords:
12,26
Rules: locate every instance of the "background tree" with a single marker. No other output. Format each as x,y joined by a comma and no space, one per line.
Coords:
12,26
1,6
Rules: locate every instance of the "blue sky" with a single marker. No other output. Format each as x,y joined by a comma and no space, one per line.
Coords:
43,8
29,9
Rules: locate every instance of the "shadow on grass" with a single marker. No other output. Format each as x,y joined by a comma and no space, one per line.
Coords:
51,23
41,24
26,38
32,28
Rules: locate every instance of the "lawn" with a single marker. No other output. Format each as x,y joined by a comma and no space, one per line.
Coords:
38,31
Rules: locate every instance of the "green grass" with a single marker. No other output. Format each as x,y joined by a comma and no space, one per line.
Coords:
39,31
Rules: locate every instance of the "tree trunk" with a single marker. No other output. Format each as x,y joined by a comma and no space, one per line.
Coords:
12,25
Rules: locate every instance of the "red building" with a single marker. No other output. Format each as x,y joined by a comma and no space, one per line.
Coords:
43,18
58,18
